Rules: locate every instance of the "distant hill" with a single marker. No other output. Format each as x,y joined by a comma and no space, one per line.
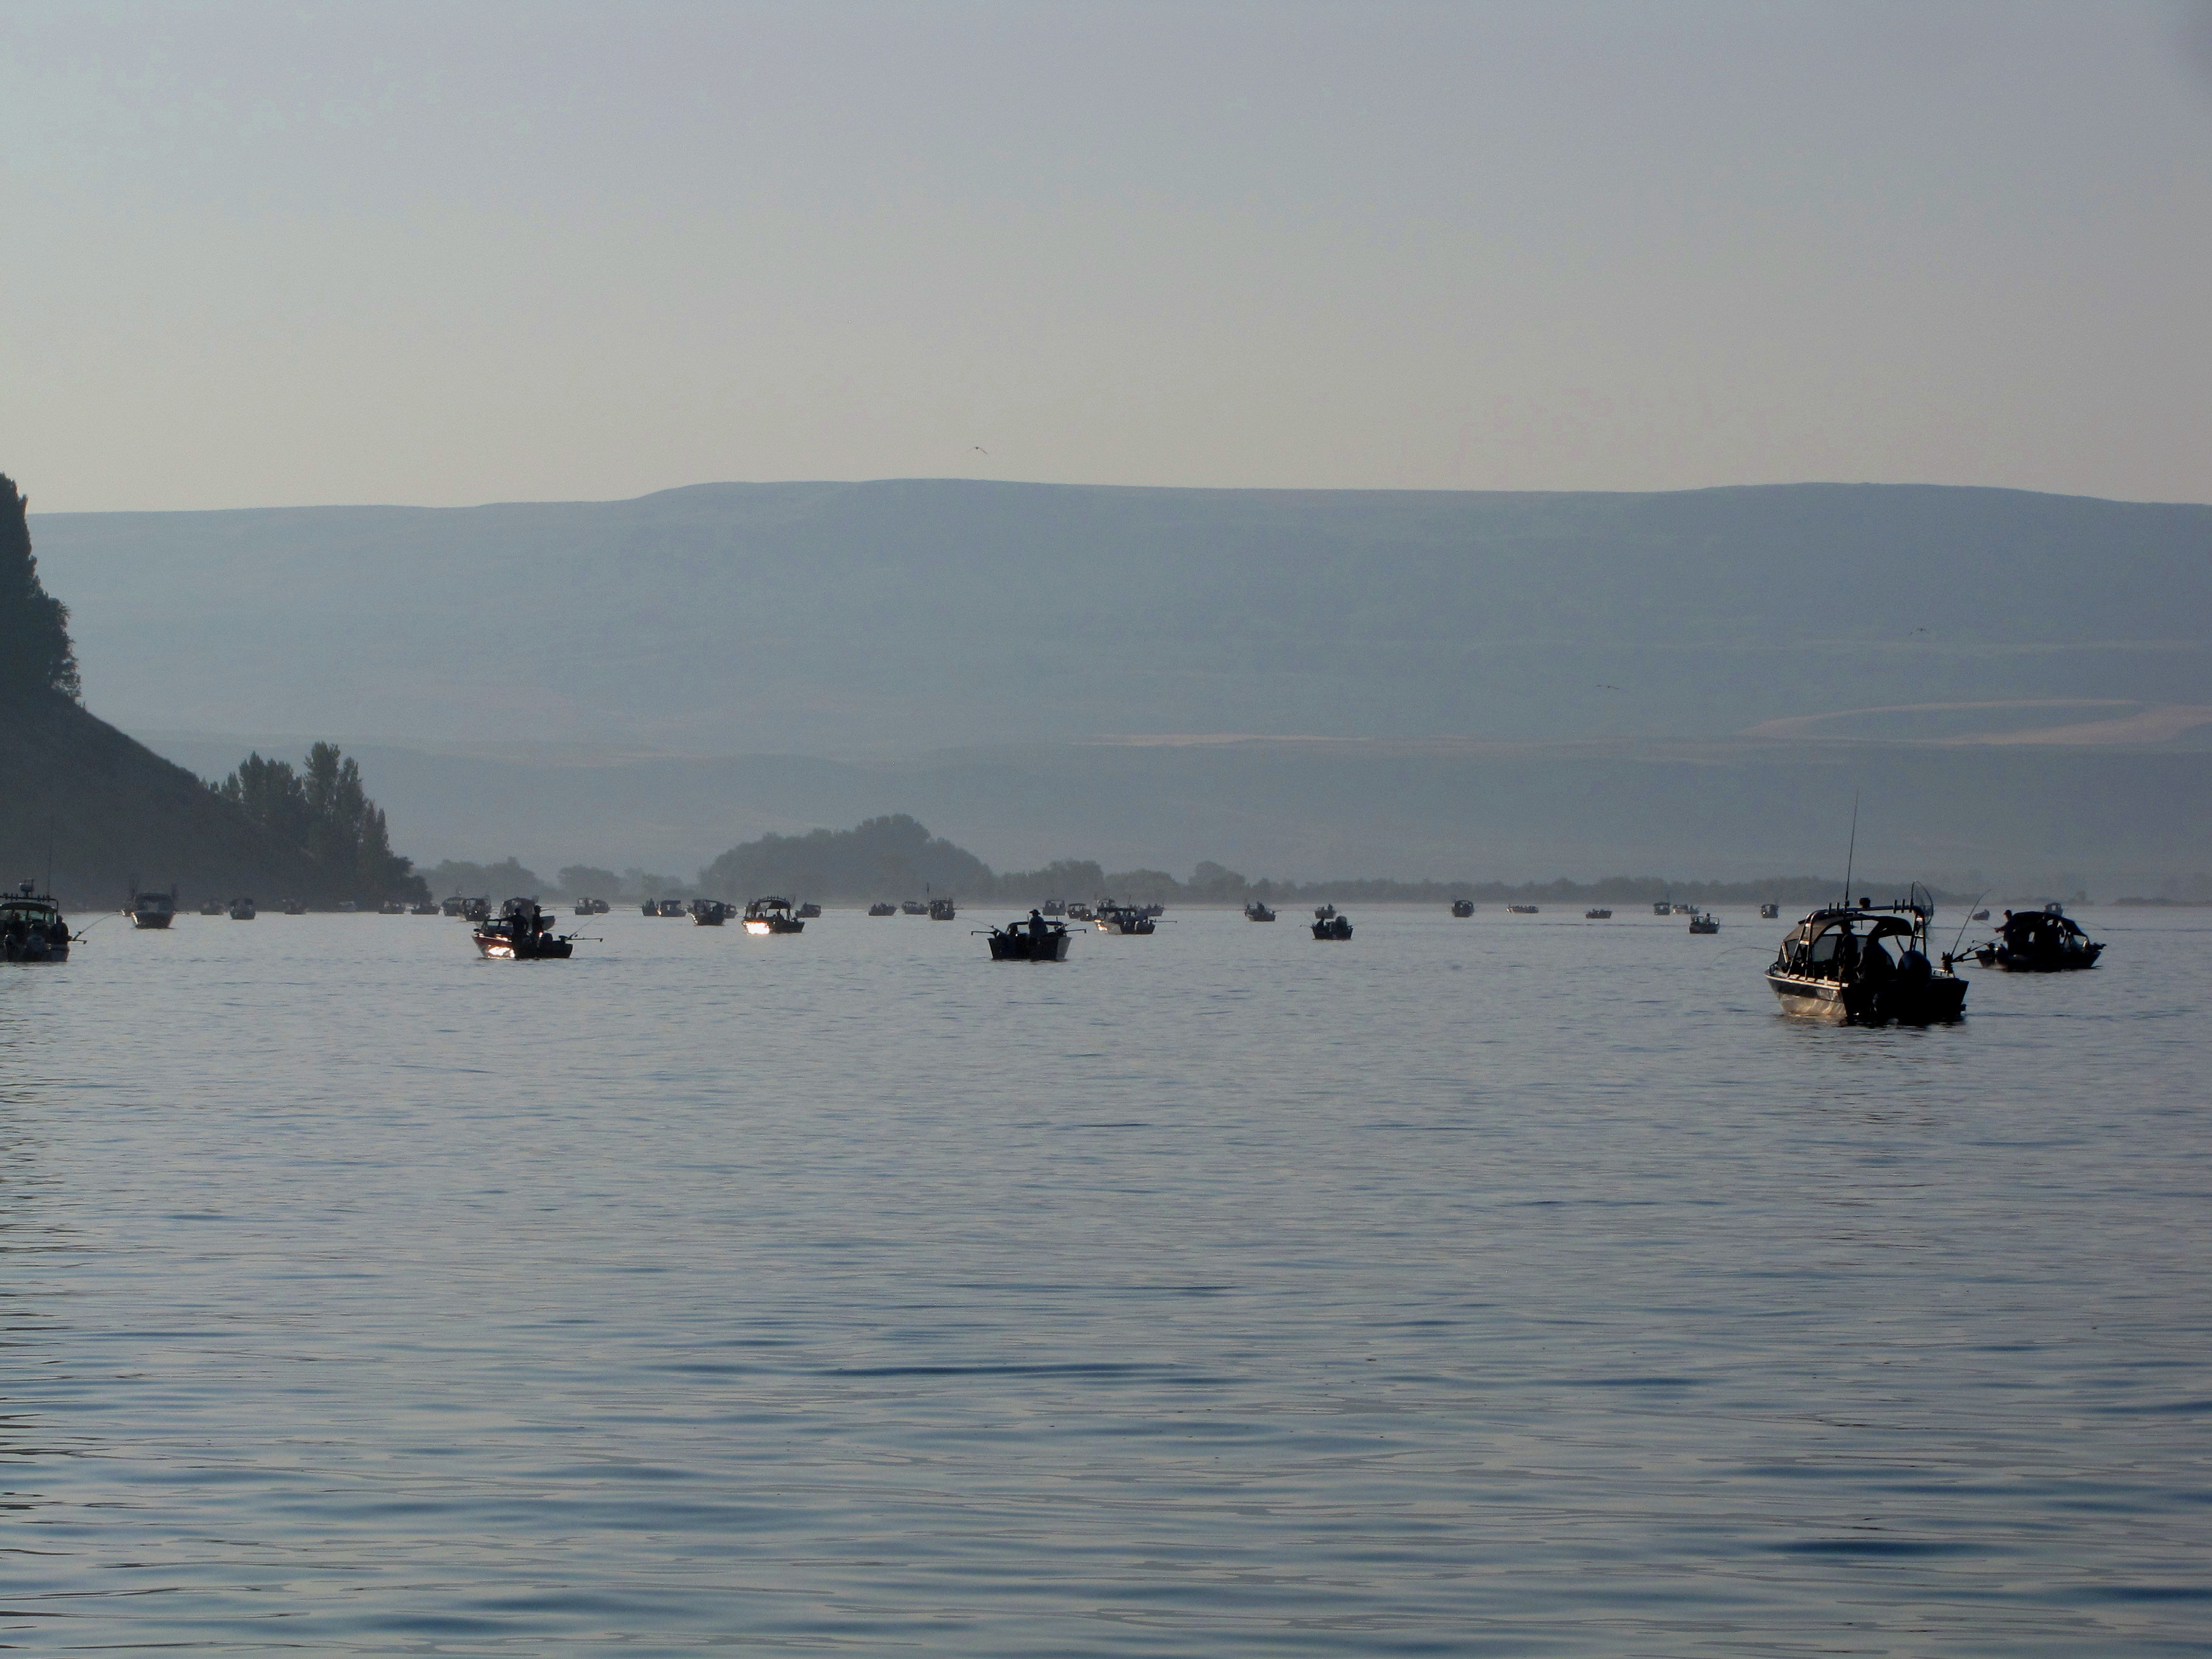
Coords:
826,618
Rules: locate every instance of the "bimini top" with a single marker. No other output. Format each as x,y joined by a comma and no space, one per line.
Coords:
1919,904
1892,913
1880,923
2030,925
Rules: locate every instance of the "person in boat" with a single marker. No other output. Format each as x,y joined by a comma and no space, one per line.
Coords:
1038,926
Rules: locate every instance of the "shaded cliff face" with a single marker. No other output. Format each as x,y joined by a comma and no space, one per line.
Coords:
110,808
35,652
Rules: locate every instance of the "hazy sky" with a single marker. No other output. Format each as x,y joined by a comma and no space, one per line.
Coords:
257,254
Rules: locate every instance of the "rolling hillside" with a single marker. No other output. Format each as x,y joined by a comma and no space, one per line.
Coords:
820,618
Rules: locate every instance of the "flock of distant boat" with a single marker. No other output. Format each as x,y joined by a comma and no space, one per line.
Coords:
1858,963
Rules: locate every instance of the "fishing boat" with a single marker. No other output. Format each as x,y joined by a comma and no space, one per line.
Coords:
1034,940
1055,906
1462,907
1597,913
151,909
476,909
32,927
1979,915
1332,925
1682,910
2045,941
1256,911
709,913
347,907
914,908
583,907
420,907
242,909
1155,909
523,932
450,906
667,909
940,909
1704,924
1128,919
1525,910
298,908
391,908
808,911
1770,912
1664,907
1081,913
883,909
211,907
771,915
1866,964
1323,912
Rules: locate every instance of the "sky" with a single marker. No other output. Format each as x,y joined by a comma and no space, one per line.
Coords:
275,254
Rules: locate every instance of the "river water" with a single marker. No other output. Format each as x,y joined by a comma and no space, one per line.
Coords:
1512,1286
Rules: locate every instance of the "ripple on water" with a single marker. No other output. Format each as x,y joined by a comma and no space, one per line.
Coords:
1216,1297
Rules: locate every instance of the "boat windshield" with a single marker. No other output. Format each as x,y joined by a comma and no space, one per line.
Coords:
1836,947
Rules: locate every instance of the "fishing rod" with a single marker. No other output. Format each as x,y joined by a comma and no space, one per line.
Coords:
1953,953
1851,855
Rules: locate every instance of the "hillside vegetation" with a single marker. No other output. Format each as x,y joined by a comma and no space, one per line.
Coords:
86,809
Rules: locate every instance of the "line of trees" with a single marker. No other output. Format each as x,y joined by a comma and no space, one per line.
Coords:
898,857
509,879
895,857
322,810
512,879
892,857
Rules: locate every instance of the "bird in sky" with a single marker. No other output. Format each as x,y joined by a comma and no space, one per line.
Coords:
1608,688
979,449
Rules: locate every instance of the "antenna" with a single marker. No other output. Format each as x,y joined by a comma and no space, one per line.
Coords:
1851,856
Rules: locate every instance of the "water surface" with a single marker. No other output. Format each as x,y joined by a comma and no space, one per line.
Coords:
1515,1285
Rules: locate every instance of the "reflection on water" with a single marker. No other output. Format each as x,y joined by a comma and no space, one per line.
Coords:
30,1441
1484,1286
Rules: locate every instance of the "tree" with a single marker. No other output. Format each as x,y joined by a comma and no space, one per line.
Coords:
327,815
508,878
35,652
1218,883
1063,879
1143,886
892,857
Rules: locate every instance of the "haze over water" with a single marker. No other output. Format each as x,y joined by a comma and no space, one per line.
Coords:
1516,1286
